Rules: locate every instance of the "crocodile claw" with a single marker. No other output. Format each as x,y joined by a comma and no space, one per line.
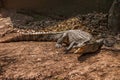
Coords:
66,51
58,45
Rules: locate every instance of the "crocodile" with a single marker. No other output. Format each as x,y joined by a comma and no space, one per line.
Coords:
75,39
68,37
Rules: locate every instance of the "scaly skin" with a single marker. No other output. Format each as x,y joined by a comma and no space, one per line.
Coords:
37,36
70,37
79,41
89,47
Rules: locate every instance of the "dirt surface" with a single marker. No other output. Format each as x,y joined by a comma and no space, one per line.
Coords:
42,61
39,60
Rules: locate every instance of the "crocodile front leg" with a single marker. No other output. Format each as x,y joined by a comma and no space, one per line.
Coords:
70,47
74,45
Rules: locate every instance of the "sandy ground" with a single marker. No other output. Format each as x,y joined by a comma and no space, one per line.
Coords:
42,61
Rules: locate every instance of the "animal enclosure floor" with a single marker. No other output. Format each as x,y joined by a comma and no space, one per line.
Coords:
41,61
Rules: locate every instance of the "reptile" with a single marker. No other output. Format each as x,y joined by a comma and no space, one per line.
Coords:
73,38
89,47
68,37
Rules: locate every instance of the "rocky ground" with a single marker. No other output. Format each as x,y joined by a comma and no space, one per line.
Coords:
42,61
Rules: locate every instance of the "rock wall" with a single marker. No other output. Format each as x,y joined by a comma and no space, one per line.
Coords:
114,17
60,6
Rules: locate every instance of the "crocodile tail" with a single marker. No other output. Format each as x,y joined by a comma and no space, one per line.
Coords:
41,36
12,38
38,36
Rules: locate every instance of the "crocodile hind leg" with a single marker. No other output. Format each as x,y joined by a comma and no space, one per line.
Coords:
61,40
